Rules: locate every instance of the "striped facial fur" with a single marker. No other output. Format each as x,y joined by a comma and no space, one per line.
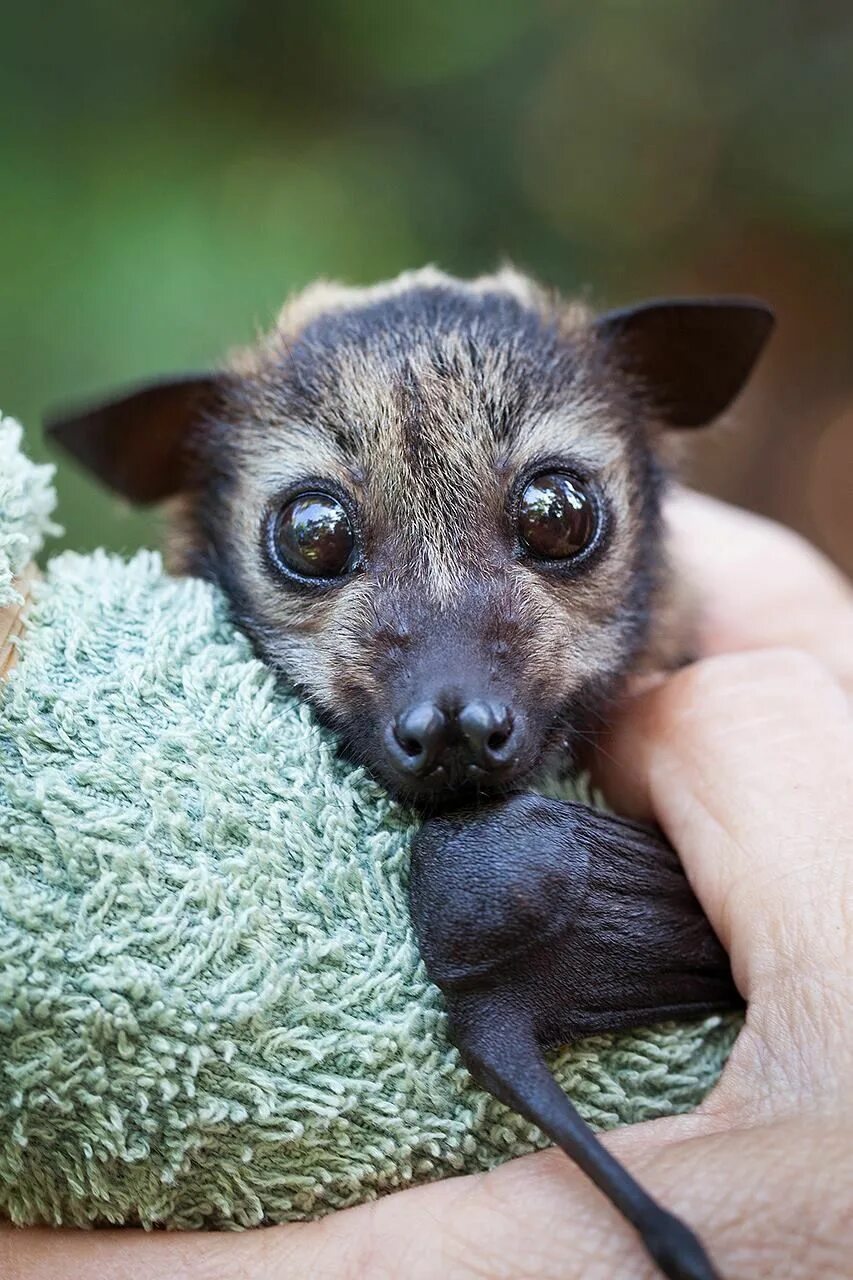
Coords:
425,406
447,650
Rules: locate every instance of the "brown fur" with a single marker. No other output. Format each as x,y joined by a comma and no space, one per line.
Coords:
425,405
427,431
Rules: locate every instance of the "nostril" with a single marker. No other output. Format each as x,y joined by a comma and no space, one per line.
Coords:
417,736
501,736
487,728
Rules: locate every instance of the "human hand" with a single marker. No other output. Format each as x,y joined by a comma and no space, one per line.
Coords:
746,762
758,584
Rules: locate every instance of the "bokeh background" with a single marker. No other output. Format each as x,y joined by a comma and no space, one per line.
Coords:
168,172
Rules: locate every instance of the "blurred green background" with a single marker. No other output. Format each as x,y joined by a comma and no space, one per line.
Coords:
169,172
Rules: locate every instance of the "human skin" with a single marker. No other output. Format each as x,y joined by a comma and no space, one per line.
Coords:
746,761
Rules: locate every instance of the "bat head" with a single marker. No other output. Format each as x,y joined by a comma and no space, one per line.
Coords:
435,505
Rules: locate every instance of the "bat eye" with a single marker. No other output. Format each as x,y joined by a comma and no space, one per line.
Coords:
557,516
313,536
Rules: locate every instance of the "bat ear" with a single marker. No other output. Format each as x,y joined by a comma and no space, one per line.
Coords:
690,356
136,442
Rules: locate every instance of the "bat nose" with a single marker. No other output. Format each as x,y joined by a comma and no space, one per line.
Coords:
480,733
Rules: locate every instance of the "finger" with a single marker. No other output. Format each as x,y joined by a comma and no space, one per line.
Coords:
746,761
759,584
532,1217
48,1253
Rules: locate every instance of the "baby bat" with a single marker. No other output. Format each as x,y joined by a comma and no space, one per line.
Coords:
436,508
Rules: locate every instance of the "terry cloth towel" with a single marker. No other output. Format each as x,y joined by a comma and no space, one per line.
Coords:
212,1007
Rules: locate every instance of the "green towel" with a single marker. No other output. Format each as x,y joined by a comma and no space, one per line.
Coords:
212,1008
